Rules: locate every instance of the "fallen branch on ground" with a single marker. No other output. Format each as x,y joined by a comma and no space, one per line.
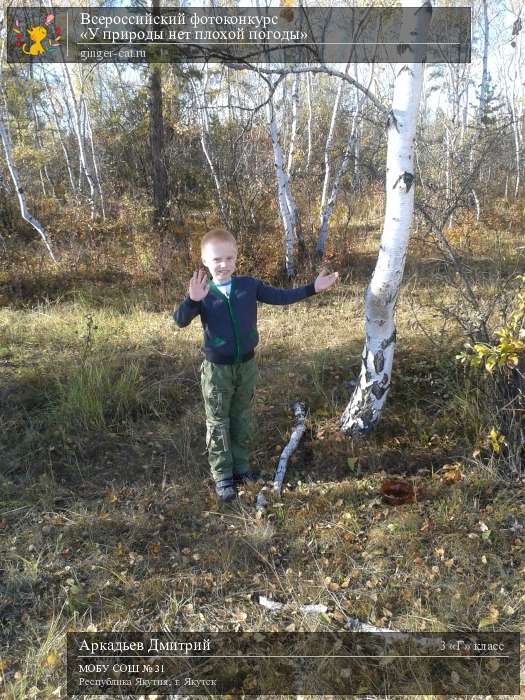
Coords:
297,433
354,625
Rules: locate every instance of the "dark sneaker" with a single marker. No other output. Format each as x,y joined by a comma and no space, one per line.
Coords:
248,477
225,490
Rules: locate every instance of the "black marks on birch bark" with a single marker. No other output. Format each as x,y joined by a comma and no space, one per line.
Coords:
388,341
379,361
379,389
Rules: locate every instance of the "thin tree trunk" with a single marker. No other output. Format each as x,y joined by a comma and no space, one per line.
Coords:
59,132
204,139
282,178
330,205
328,208
365,406
476,202
95,167
8,150
156,135
357,156
327,163
83,161
43,170
295,102
296,223
309,122
6,142
485,72
448,173
156,138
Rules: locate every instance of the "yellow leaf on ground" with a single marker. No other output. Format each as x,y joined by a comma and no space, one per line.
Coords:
489,619
51,659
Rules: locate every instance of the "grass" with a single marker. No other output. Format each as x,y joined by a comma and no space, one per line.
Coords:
107,513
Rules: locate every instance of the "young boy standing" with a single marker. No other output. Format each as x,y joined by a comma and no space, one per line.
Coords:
227,306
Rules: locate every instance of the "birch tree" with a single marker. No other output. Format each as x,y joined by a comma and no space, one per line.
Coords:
328,202
292,207
51,100
84,165
282,184
485,70
365,406
513,80
8,152
24,211
327,166
94,161
309,122
200,96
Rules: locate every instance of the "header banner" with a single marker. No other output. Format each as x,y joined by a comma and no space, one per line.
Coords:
237,35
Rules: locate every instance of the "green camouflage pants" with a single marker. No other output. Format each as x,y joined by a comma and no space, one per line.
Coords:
228,392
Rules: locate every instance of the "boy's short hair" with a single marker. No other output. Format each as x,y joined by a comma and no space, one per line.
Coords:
221,235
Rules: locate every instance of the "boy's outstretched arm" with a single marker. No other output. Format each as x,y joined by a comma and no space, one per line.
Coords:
274,295
191,306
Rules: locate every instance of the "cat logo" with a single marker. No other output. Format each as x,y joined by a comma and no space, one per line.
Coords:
42,37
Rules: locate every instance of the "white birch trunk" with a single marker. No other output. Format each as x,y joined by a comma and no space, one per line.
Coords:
95,166
476,202
517,102
516,149
77,122
328,208
323,222
290,201
365,406
464,117
8,150
485,73
43,170
204,129
6,142
292,207
295,102
59,133
309,122
282,179
357,156
448,184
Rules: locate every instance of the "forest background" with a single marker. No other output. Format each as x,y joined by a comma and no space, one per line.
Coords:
107,515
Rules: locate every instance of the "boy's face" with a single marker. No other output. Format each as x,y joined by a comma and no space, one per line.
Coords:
220,258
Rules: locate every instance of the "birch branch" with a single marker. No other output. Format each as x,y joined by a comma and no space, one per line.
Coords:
354,625
297,433
322,68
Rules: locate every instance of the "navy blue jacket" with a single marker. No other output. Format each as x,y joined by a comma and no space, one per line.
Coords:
230,325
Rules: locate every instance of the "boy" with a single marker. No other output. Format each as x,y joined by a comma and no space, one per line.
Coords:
227,306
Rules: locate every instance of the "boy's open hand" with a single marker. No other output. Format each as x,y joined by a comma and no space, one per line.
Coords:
324,281
198,285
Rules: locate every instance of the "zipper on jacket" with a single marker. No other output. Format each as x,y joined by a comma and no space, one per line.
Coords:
235,332
233,320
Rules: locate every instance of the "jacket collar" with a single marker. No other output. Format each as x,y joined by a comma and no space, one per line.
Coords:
216,290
